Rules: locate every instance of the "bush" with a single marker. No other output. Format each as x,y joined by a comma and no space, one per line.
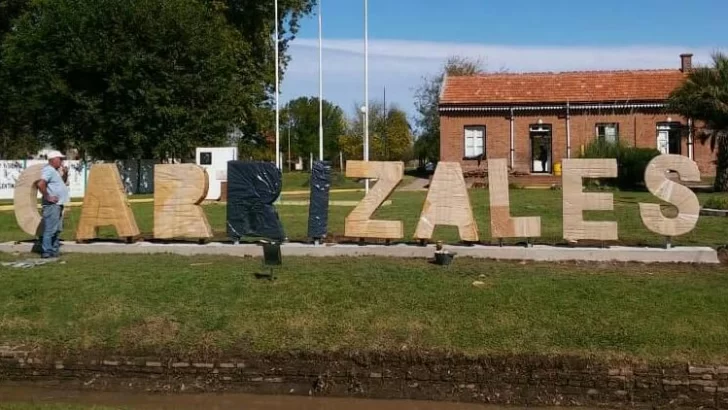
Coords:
631,162
716,202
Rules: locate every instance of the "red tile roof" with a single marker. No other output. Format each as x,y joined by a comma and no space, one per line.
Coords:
575,87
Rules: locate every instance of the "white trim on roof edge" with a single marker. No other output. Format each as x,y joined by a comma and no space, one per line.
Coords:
572,107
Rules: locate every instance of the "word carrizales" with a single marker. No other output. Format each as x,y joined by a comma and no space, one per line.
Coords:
180,190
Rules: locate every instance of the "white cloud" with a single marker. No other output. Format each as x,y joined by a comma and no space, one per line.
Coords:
400,65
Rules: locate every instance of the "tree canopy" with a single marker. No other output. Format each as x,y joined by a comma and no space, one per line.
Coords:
704,97
301,118
140,78
390,135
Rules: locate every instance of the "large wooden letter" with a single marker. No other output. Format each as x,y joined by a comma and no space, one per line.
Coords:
501,223
178,191
25,199
682,197
576,201
105,204
358,224
448,203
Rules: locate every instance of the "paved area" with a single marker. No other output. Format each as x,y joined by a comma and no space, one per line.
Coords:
535,253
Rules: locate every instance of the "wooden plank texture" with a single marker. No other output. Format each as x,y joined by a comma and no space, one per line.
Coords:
680,196
447,203
502,225
105,204
25,200
576,201
358,224
179,189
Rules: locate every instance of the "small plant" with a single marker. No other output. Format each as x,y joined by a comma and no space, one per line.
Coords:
716,202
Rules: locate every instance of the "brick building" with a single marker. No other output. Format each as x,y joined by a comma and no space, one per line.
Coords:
537,119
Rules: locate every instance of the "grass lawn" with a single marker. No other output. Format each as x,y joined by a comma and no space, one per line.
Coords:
407,206
214,305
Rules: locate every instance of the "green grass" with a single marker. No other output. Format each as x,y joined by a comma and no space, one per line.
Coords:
214,305
407,206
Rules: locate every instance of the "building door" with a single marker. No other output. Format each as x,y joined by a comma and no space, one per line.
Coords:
669,138
663,138
541,155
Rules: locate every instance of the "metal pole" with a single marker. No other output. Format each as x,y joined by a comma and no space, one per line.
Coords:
289,141
321,86
384,130
366,88
278,118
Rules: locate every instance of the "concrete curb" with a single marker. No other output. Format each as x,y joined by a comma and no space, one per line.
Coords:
536,253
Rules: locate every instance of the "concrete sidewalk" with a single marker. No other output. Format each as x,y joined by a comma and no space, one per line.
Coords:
535,253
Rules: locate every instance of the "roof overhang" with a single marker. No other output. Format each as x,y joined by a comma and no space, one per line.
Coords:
551,107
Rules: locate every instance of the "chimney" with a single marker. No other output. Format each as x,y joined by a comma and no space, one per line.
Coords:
686,62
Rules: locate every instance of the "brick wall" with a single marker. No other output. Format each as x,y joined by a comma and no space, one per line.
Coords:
508,380
638,129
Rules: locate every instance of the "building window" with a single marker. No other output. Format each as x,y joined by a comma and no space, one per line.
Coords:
474,141
608,132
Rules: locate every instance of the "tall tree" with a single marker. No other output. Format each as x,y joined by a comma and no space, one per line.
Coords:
255,21
9,11
704,97
427,101
127,79
301,118
254,48
390,135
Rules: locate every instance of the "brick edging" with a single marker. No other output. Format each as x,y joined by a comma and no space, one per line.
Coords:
520,380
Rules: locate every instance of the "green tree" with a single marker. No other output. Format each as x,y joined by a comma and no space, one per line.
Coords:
126,79
254,19
253,48
704,97
9,11
427,102
390,135
301,118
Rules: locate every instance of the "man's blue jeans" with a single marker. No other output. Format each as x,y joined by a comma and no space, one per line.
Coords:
52,228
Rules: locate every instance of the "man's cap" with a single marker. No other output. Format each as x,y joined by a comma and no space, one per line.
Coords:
55,154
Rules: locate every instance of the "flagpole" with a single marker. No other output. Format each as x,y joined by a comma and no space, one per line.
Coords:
366,87
278,118
321,85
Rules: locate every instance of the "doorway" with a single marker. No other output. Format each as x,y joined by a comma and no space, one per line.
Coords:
669,139
541,152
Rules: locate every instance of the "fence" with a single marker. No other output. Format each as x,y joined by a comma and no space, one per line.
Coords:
137,176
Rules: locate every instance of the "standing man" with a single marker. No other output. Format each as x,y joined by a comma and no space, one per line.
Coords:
52,186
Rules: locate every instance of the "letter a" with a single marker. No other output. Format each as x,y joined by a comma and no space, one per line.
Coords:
682,197
358,224
105,204
448,203
178,191
25,199
502,225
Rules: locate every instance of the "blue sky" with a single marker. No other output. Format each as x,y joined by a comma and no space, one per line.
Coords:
410,39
